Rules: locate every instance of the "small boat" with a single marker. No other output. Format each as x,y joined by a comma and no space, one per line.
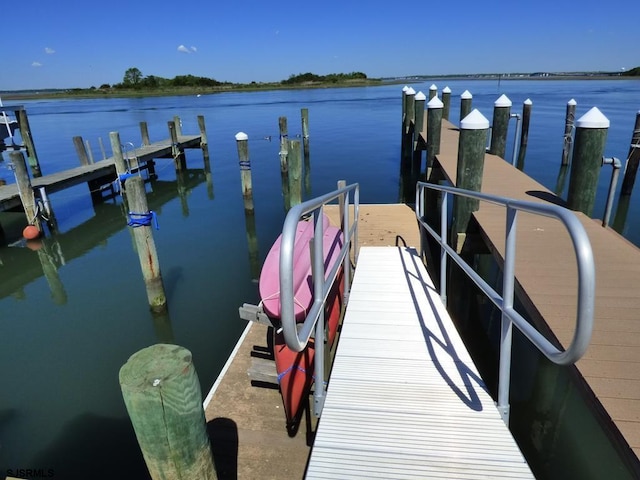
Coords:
295,369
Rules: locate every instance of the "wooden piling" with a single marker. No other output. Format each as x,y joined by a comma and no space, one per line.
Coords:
501,116
81,150
204,142
178,123
416,164
633,158
588,150
465,104
89,152
295,173
433,91
116,152
144,133
162,395
242,143
524,133
446,101
304,113
140,219
434,124
27,139
25,190
284,152
179,158
568,131
409,123
471,150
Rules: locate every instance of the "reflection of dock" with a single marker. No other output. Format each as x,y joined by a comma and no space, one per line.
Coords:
26,267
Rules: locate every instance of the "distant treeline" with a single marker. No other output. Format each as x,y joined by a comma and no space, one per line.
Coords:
634,72
331,78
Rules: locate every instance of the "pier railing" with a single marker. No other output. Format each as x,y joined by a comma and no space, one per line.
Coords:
510,317
297,335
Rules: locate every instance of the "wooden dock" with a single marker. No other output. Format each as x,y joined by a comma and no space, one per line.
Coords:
547,283
103,169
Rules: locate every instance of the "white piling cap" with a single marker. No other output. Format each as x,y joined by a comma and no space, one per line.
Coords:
405,88
435,102
433,87
474,121
410,91
503,101
466,95
572,102
446,90
420,96
593,119
528,102
241,136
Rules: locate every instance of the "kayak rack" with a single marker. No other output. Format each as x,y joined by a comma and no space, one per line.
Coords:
297,335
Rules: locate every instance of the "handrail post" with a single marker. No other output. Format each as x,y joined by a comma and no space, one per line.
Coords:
318,275
443,253
506,331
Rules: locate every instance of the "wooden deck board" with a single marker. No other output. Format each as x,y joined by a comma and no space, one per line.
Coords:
404,398
545,260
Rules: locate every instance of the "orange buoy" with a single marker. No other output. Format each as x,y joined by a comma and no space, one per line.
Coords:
30,232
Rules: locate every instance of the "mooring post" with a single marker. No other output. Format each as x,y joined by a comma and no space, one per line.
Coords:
295,173
471,151
144,133
140,220
121,166
27,138
446,101
104,152
242,143
524,133
569,120
588,150
501,116
633,158
305,147
465,104
89,152
81,150
433,91
204,142
27,197
418,135
409,126
178,123
284,153
161,392
178,155
434,124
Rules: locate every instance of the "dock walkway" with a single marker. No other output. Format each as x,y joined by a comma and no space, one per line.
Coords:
547,284
404,399
10,197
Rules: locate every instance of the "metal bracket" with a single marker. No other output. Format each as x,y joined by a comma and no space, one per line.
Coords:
254,313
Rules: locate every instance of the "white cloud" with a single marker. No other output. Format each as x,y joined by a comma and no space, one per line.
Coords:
36,64
184,49
49,51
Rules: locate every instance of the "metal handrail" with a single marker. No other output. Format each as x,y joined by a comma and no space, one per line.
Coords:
586,278
297,335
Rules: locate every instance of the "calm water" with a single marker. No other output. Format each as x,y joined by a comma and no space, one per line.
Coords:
65,335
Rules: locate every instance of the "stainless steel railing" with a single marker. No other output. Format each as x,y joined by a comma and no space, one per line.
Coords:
297,335
510,317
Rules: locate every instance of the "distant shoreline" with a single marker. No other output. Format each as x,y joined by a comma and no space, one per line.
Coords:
187,91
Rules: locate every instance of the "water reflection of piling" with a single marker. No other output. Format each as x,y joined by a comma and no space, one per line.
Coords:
162,326
252,243
50,270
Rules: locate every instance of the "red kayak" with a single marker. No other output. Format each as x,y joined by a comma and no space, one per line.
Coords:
295,369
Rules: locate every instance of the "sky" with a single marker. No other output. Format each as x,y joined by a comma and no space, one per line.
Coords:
71,44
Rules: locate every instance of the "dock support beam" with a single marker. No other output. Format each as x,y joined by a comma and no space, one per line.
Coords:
633,159
162,395
591,136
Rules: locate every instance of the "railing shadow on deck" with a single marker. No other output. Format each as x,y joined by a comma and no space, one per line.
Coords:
432,341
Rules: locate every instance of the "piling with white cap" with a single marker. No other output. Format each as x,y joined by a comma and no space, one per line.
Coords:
433,91
569,120
242,142
501,116
588,150
527,105
465,104
446,101
407,128
434,124
471,151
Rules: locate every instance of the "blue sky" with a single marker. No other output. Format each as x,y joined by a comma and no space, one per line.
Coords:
66,43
